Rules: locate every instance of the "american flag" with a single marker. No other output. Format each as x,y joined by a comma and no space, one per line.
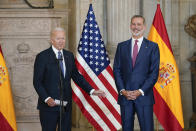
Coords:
93,63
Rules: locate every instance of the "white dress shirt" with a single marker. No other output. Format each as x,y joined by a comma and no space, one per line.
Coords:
139,43
56,53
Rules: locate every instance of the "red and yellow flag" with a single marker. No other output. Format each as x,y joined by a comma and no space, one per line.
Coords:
7,114
168,107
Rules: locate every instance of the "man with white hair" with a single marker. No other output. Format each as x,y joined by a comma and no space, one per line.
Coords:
49,65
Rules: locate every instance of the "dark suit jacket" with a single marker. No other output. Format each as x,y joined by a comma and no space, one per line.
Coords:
46,78
144,74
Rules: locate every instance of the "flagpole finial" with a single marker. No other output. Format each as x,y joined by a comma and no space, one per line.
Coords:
90,1
158,1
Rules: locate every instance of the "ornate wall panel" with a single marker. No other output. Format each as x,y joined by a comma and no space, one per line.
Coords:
24,33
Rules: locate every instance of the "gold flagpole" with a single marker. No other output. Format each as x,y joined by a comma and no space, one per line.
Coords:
90,1
157,124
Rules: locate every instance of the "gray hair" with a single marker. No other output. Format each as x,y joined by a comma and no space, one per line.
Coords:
56,29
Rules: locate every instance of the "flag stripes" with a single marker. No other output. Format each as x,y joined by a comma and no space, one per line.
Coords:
4,125
7,113
168,107
109,102
166,117
94,81
88,111
93,63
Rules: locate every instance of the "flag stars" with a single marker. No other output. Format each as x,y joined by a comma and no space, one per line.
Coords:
102,51
85,49
91,45
96,32
85,37
91,62
80,49
91,50
85,30
96,63
85,24
96,38
96,57
91,12
96,69
91,18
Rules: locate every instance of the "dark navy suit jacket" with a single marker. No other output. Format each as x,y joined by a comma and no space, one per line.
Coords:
46,78
144,74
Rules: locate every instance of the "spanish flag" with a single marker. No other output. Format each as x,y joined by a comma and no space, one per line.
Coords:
168,107
7,114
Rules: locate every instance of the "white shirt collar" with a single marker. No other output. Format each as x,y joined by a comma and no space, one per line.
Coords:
56,51
139,40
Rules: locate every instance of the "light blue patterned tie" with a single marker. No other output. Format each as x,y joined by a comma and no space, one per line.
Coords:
60,57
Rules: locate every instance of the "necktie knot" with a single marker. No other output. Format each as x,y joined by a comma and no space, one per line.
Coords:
60,55
136,42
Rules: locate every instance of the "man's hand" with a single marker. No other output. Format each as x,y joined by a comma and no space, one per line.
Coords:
128,94
137,93
131,95
99,93
51,102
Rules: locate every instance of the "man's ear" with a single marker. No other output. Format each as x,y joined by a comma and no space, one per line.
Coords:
51,41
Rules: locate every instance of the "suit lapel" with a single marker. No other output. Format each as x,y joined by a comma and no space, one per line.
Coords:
129,56
66,59
142,51
53,58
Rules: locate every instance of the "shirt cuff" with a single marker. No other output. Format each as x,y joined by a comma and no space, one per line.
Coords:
141,92
121,91
91,92
47,99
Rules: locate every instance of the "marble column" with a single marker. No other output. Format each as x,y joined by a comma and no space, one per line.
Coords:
187,47
119,13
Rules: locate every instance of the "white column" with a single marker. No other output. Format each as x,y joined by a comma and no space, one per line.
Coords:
119,13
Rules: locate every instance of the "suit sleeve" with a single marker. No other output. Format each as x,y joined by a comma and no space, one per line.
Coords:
79,79
117,70
39,67
153,71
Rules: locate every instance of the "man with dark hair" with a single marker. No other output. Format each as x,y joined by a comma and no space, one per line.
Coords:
136,68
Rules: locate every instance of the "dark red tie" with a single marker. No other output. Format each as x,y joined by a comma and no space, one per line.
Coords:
135,52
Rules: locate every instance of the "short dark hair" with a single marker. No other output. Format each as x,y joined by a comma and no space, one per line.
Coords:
139,16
